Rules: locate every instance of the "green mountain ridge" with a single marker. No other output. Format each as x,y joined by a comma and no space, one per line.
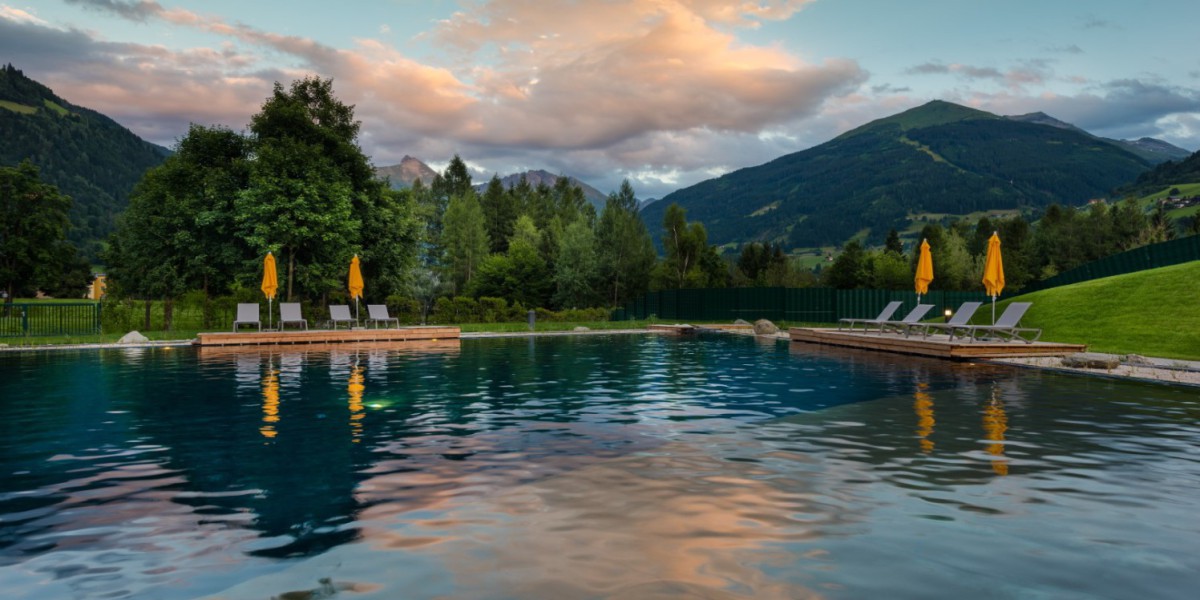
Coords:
88,156
936,158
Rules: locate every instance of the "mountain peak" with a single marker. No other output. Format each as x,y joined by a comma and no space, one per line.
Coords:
404,174
930,114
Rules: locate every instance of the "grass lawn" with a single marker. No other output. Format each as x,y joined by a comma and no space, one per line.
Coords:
1153,313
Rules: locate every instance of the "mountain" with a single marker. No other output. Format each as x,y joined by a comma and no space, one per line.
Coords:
404,174
1167,174
1150,149
936,159
593,195
86,154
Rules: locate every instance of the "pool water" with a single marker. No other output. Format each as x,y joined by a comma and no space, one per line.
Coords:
609,466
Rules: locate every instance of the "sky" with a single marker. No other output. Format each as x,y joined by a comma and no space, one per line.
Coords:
665,93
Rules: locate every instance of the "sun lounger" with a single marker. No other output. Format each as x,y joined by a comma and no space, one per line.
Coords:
958,321
884,315
340,313
247,314
1006,325
913,317
289,312
378,313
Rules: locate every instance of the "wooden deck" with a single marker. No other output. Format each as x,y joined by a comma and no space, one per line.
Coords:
939,346
403,335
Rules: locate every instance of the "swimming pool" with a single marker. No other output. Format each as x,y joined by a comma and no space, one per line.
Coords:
624,466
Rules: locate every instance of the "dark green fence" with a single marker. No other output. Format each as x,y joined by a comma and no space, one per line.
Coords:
1163,254
811,305
49,319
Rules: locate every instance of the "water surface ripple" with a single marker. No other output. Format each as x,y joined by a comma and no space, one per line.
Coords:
588,467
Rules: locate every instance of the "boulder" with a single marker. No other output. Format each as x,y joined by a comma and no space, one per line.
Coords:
133,337
582,328
1091,360
765,327
1137,359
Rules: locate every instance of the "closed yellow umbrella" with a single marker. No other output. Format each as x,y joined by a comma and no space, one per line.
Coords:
924,270
270,283
993,271
356,284
98,287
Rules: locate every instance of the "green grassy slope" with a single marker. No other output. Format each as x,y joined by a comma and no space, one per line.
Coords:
1153,313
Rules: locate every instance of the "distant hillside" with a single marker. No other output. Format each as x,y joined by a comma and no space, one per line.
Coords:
593,195
86,154
938,158
1150,149
403,175
1167,174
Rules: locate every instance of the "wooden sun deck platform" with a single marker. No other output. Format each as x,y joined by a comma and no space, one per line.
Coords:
400,336
673,329
939,346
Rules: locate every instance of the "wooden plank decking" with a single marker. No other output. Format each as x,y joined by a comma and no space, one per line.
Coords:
398,336
939,346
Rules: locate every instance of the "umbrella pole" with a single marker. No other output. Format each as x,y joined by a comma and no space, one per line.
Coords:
356,323
993,309
269,313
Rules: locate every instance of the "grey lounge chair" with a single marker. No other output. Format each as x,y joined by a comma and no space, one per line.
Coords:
884,315
958,321
913,317
1006,326
248,314
289,312
340,313
378,313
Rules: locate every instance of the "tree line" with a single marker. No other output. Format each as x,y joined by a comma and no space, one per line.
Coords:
1062,239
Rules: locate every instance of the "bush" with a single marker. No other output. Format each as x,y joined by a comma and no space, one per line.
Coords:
406,310
493,310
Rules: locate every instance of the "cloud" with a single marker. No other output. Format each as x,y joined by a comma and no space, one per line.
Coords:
16,15
1121,108
1067,49
1026,73
526,80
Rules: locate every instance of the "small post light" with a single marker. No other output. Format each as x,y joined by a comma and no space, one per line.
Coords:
948,313
532,318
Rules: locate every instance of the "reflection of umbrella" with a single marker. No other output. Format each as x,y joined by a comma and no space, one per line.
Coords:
356,284
993,272
924,270
925,421
356,388
270,283
270,402
995,423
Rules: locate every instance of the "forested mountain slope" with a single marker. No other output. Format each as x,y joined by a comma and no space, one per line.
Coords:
936,158
87,155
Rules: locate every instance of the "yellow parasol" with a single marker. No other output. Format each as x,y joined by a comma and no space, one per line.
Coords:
270,283
993,271
98,287
356,284
924,270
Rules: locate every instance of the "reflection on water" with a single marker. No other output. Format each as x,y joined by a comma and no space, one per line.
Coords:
995,422
595,467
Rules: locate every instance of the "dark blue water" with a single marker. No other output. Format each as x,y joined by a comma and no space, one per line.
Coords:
588,467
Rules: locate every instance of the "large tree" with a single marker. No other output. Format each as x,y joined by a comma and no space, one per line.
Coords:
33,229
313,195
465,238
626,254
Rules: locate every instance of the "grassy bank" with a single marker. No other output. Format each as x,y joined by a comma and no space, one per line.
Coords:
1153,313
